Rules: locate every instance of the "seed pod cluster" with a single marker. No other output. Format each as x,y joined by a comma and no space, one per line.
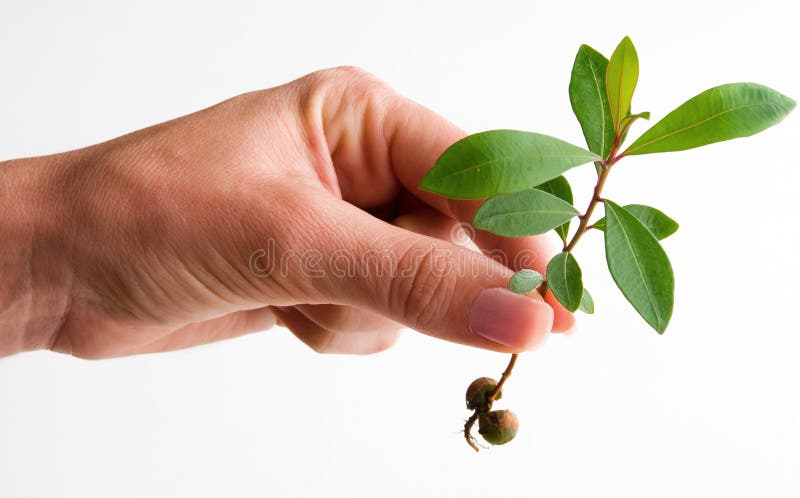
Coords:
497,426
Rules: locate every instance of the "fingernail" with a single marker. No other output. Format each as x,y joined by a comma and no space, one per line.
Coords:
514,320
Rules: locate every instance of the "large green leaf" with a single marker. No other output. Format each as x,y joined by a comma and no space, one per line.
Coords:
564,280
559,187
720,113
500,162
639,266
659,224
622,75
525,281
589,99
529,212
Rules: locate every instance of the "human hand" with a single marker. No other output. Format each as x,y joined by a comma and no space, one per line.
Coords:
297,204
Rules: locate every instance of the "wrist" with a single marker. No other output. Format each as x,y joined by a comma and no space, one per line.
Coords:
34,274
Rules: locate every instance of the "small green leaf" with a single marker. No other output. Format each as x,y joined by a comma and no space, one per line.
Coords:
639,115
529,212
639,266
564,280
720,113
559,187
587,303
501,162
589,99
525,281
659,224
628,122
621,78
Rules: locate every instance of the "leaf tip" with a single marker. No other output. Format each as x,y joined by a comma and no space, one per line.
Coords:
625,44
791,104
432,182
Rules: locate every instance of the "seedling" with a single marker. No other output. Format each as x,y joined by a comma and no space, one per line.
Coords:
520,175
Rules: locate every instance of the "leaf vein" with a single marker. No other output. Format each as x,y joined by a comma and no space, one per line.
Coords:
537,211
493,162
566,280
602,114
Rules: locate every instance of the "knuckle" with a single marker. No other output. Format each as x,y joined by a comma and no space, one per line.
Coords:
349,71
422,290
347,83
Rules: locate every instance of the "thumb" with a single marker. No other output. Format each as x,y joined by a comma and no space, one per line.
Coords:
438,288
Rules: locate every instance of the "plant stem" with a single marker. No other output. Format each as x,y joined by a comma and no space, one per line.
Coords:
503,379
598,189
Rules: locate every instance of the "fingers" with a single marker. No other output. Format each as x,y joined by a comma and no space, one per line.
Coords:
324,340
381,141
327,327
339,318
224,327
427,221
433,286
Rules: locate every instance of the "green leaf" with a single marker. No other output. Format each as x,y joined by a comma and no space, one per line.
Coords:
631,118
501,162
529,212
639,266
628,122
587,303
525,281
720,113
621,78
564,280
589,99
659,224
559,187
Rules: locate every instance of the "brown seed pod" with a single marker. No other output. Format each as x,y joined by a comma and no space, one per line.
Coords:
479,391
498,426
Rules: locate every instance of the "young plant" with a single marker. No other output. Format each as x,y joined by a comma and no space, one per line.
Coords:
520,174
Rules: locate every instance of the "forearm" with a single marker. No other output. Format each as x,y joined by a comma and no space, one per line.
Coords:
34,276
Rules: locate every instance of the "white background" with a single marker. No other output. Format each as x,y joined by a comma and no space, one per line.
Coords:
709,409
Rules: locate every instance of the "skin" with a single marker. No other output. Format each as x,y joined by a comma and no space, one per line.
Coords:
148,242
